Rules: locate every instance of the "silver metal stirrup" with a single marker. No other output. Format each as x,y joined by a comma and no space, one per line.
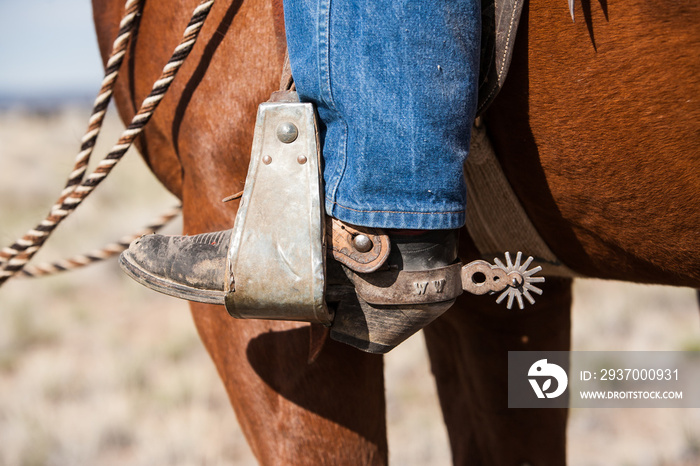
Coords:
276,262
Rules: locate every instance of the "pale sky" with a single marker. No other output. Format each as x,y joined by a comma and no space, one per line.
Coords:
48,47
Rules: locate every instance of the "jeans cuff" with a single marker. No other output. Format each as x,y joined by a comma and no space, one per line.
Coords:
398,219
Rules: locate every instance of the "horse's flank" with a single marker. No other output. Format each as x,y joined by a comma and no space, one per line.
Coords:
598,129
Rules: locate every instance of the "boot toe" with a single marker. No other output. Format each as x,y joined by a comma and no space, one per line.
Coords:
187,267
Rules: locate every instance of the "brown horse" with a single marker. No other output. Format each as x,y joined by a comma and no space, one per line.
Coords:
598,130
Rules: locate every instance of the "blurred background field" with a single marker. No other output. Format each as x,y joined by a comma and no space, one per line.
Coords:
95,369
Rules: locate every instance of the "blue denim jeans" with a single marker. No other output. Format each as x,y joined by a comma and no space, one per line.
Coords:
395,85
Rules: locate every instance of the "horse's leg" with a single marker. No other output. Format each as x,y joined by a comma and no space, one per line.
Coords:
328,412
198,143
468,349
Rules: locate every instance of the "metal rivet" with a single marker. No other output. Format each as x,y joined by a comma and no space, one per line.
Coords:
362,243
287,132
516,280
301,159
267,160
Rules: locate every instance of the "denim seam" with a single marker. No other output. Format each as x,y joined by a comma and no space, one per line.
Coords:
394,211
324,51
324,44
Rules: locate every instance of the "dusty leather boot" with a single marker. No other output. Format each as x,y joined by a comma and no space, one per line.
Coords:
374,309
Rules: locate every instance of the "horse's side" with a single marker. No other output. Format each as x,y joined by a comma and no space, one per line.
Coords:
598,130
601,146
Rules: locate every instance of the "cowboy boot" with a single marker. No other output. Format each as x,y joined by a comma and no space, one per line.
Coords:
375,307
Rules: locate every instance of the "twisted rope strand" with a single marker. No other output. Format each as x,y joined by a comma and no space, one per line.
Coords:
27,246
98,255
104,96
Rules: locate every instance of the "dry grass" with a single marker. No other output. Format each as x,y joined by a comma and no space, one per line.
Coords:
97,370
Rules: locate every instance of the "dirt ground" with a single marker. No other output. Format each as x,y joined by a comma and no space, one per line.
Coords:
95,369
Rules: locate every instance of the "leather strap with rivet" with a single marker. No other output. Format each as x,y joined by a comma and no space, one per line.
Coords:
361,249
401,287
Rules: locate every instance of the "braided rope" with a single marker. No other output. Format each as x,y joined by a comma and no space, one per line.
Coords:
99,108
16,256
98,255
104,96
